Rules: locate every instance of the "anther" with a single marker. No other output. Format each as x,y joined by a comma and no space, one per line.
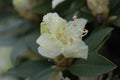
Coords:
85,32
74,17
74,23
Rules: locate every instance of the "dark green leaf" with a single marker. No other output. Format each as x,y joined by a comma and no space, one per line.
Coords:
97,36
94,65
31,41
43,75
12,23
7,40
42,7
31,69
12,27
21,52
71,7
115,7
85,15
114,3
66,11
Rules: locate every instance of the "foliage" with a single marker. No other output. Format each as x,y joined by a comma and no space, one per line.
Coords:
22,32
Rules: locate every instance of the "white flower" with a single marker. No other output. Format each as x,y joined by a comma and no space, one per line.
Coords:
59,37
25,7
56,2
21,3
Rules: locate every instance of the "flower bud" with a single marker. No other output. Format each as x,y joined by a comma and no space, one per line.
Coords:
99,7
24,8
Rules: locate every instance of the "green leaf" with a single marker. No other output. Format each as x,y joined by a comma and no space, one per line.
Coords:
43,7
67,9
31,41
85,15
32,69
21,52
97,36
114,3
115,7
12,27
43,75
7,40
94,65
71,8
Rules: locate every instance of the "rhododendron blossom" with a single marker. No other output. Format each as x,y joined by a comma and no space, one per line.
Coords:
61,37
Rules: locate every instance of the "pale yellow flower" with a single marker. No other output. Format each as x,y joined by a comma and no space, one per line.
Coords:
61,37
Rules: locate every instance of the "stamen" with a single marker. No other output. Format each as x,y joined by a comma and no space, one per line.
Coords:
74,17
85,32
74,23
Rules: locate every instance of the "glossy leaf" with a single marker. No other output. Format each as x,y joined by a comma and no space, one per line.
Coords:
97,36
43,75
12,23
115,8
94,65
12,27
21,52
31,41
114,3
32,69
43,7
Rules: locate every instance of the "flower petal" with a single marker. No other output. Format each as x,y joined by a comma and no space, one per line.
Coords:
77,49
44,29
76,27
49,47
53,21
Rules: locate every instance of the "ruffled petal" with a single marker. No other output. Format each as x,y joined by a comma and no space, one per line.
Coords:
49,47
53,21
76,27
77,49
